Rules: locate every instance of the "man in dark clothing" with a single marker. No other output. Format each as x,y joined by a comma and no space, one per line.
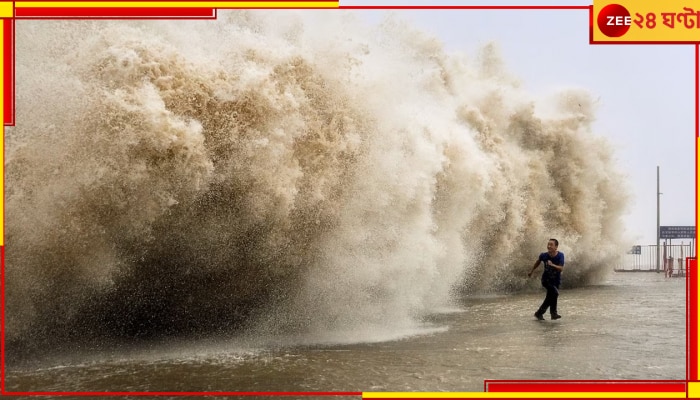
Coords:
551,278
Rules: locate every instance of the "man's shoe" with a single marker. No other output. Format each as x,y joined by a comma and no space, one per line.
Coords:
539,316
555,316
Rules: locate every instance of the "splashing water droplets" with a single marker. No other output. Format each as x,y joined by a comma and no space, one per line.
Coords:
278,175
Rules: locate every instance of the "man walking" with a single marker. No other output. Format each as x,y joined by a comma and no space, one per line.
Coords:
553,261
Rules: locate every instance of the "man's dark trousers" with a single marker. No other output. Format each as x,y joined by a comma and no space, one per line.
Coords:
550,300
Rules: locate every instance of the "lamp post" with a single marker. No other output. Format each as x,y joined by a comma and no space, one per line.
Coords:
658,221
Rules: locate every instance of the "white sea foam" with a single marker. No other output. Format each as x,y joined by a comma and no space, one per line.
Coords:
284,171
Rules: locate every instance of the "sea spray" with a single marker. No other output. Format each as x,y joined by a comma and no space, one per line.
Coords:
284,171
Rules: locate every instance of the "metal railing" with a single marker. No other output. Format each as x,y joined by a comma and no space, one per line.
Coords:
643,258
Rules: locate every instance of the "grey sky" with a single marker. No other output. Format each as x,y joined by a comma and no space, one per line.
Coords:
646,106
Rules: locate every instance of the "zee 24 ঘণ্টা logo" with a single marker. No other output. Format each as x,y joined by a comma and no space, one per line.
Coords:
615,20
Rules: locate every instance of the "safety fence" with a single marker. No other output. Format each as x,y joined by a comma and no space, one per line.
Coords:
672,261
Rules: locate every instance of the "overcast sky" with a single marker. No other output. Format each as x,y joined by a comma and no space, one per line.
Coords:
646,92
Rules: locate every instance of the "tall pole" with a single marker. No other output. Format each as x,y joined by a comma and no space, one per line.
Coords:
658,222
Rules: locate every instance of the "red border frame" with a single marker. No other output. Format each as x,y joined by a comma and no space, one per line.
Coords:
115,12
2,314
463,7
8,27
489,386
692,321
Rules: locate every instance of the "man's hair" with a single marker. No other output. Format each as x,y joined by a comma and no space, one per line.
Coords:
556,242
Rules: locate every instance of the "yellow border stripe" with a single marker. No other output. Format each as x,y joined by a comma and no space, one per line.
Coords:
7,9
523,395
693,389
179,4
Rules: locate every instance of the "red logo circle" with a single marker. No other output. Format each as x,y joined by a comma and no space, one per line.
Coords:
614,20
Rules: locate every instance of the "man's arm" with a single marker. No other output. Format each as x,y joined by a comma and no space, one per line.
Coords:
534,267
557,267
